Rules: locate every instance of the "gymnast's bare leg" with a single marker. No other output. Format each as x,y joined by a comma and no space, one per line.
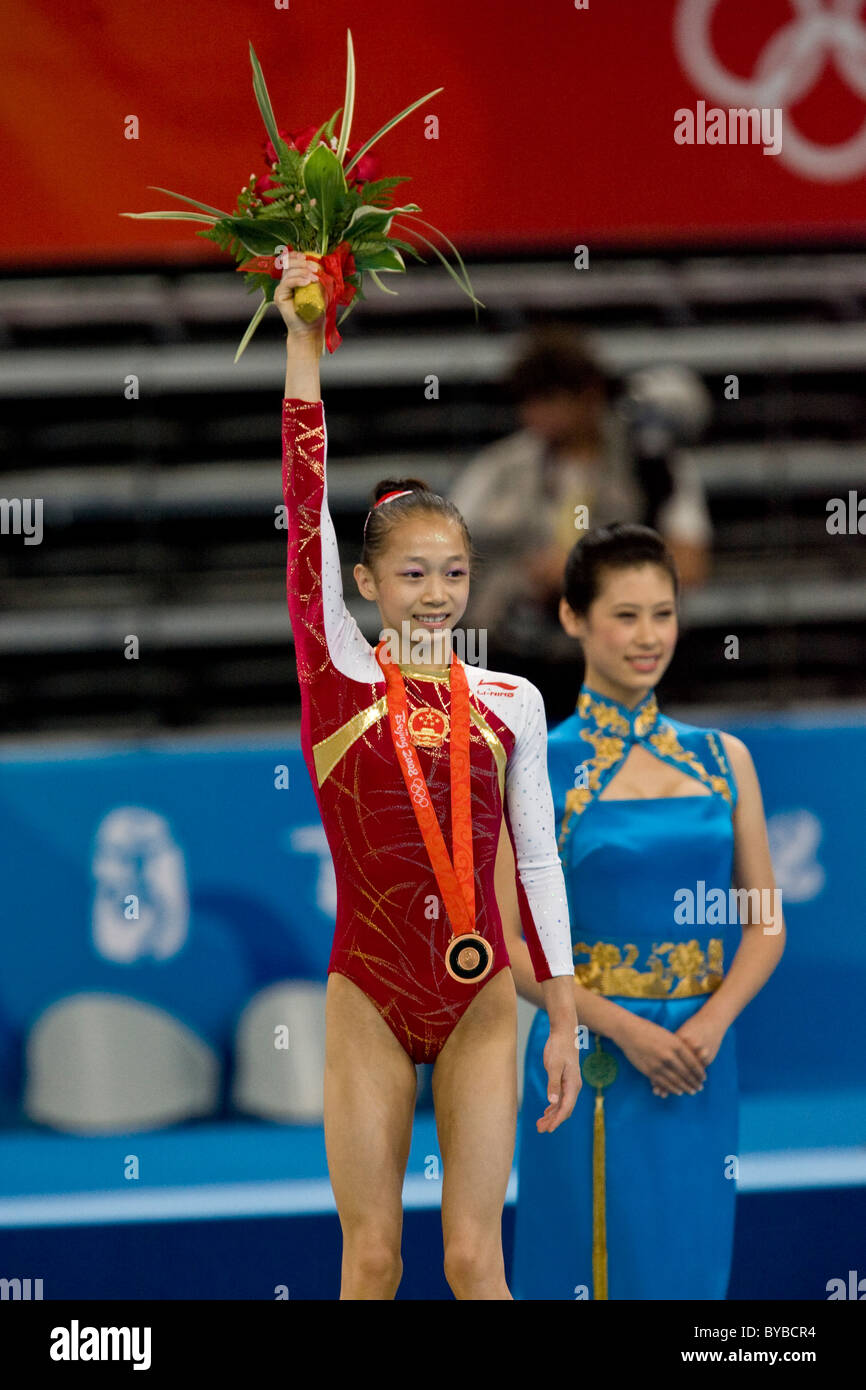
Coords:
475,1095
370,1089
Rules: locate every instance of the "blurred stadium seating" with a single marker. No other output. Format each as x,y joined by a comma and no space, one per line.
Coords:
161,508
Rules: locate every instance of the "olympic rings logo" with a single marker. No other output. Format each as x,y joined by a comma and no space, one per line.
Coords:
418,791
787,68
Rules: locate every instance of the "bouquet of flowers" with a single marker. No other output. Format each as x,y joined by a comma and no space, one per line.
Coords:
323,198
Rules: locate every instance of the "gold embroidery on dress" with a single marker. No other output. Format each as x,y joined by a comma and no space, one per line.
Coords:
608,750
720,758
667,743
647,717
605,716
608,742
688,971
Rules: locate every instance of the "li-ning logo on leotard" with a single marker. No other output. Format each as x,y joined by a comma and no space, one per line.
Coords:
501,688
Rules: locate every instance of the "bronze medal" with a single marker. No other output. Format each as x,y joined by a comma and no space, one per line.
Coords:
468,958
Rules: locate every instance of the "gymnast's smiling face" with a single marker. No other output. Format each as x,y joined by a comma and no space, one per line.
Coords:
628,632
420,577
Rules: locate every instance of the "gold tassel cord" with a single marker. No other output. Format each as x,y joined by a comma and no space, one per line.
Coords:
599,1069
599,1219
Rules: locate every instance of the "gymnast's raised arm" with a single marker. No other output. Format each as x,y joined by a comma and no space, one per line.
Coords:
329,645
303,340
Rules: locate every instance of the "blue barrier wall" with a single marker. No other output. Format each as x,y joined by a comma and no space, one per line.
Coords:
806,1031
222,847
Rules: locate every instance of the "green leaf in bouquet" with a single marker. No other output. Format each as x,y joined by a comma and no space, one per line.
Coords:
325,181
288,170
220,235
370,245
177,216
258,280
383,288
319,135
464,283
367,220
261,235
388,258
348,309
264,104
407,247
252,325
284,207
389,125
329,128
369,250
202,207
349,102
380,188
277,192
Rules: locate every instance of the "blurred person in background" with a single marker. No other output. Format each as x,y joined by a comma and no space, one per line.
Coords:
580,446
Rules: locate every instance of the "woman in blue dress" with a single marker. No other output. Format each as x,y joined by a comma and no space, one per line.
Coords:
676,925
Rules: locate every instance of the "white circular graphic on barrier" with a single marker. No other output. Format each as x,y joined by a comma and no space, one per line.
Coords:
140,899
794,839
786,70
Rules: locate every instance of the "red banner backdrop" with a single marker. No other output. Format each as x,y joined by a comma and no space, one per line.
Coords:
556,123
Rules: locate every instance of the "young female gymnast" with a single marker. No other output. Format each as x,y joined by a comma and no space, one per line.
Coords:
408,757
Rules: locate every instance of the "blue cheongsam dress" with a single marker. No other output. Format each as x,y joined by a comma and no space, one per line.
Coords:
633,1196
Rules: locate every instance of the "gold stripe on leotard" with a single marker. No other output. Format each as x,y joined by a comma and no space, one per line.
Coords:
328,753
330,750
493,744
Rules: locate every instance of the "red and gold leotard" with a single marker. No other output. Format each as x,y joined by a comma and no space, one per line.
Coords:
392,929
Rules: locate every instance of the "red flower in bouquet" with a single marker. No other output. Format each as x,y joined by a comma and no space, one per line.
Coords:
369,167
295,139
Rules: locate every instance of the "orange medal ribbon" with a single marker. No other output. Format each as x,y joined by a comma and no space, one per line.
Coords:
468,957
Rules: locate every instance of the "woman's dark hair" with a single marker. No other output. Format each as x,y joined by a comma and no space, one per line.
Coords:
619,546
381,520
554,358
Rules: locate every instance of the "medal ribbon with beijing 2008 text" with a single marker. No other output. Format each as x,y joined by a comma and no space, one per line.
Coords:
456,881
